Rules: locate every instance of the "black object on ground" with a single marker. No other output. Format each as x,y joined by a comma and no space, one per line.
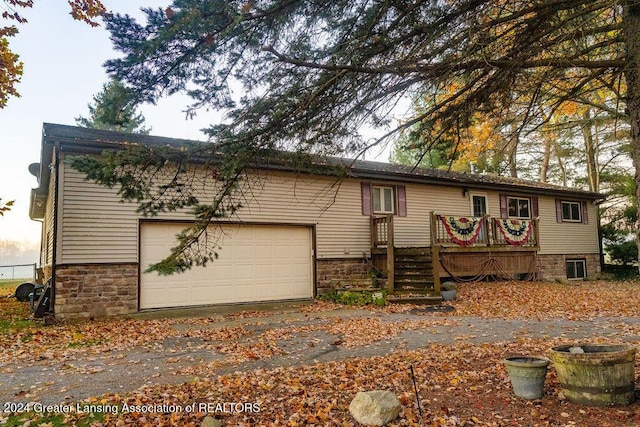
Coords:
23,291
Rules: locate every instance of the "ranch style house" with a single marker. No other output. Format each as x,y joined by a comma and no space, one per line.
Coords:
384,226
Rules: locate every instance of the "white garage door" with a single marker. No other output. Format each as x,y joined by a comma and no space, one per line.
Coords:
256,263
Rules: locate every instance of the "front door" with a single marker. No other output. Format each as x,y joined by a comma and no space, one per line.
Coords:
479,209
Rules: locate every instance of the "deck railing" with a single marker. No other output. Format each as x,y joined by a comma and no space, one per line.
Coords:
458,231
526,232
381,231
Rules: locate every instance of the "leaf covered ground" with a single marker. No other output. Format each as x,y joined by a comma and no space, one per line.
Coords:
459,383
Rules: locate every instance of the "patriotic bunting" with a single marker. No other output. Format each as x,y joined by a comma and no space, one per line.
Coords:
515,231
463,230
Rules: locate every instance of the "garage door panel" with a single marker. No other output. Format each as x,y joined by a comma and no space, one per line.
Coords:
256,263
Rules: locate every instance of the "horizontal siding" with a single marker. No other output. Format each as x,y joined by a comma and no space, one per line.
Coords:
415,228
46,245
555,238
98,228
566,237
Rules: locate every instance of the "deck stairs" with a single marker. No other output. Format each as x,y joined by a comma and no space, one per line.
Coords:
413,279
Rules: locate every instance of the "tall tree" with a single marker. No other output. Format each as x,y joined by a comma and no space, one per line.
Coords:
11,67
313,73
114,108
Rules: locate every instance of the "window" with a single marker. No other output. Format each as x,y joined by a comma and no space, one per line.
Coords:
518,207
478,205
571,211
576,269
383,200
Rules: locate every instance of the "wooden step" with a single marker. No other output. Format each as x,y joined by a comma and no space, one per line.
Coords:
414,269
414,298
429,292
411,258
414,264
413,251
415,284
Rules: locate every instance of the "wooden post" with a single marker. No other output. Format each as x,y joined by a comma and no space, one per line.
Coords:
374,232
435,262
486,223
434,231
536,234
390,256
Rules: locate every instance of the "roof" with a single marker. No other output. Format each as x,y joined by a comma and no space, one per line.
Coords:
93,141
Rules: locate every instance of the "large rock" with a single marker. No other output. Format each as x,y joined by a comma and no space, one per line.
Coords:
376,407
211,422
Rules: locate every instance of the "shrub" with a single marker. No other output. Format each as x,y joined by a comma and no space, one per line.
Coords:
358,298
625,252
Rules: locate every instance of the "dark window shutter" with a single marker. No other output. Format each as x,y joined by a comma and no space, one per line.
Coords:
504,211
401,193
534,207
366,198
558,210
585,213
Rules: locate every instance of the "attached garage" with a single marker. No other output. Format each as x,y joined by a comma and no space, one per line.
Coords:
256,263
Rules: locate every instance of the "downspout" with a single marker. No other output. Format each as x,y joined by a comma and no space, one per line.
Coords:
54,255
600,243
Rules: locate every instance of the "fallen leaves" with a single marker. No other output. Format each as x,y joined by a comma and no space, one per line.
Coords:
586,300
461,382
458,385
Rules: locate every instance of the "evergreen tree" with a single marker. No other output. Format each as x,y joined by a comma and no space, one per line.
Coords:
114,109
307,75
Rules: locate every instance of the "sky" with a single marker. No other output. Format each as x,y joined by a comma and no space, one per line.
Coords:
62,71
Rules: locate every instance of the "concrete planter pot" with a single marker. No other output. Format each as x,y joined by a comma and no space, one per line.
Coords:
527,375
596,374
449,291
449,295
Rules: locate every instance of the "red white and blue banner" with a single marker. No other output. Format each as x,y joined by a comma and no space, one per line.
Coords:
515,231
462,230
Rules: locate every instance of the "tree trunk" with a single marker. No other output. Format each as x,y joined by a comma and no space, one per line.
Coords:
513,150
563,169
632,76
589,149
544,168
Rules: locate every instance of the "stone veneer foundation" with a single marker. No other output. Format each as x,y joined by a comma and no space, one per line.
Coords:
342,272
554,267
95,290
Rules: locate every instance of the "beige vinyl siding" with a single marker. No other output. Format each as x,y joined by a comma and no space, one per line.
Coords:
98,228
566,237
415,228
46,248
555,238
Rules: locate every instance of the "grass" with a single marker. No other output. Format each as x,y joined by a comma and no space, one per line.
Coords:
14,315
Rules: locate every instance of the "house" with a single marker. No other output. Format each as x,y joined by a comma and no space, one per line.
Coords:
301,235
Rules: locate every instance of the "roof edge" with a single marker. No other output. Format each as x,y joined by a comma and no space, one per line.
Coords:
93,141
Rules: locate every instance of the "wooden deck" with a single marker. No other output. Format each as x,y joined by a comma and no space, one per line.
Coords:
482,249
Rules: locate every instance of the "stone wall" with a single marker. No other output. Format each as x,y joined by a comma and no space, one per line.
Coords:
554,267
342,273
95,290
